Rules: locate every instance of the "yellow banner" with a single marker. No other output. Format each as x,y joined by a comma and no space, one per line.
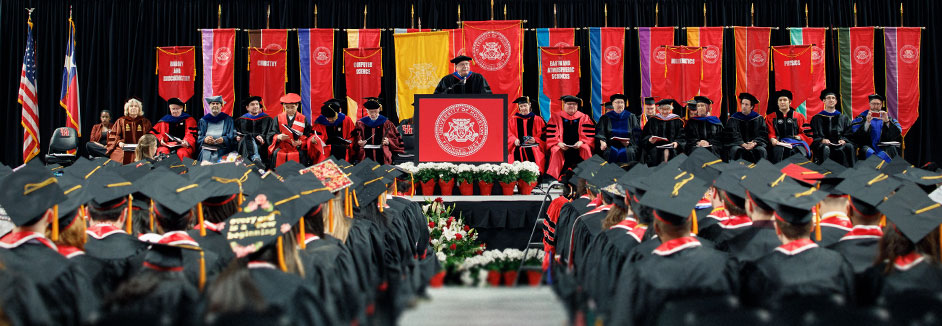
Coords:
421,61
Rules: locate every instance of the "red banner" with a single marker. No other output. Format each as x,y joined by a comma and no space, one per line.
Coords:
461,129
178,73
268,73
497,49
817,38
607,64
363,69
559,67
316,57
269,39
652,42
363,38
711,84
683,72
902,73
218,66
455,44
793,68
752,62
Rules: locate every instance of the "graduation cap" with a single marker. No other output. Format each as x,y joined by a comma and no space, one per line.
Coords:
605,176
896,166
330,174
522,100
631,181
290,98
174,195
460,59
731,181
28,192
571,99
792,203
872,97
80,168
760,179
164,258
920,177
173,163
675,199
135,170
616,194
784,93
667,101
369,192
868,189
703,164
190,163
647,100
833,167
73,188
226,180
587,168
826,92
261,222
111,191
310,193
914,214
691,105
372,103
249,100
802,174
214,99
175,101
617,96
832,176
673,163
873,162
608,105
328,111
289,168
746,96
797,159
702,99
106,162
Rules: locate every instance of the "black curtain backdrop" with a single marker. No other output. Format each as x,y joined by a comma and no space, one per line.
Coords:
116,40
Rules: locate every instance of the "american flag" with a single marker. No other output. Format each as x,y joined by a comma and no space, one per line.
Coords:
27,98
69,98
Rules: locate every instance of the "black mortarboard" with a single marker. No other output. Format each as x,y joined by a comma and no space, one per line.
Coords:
792,203
832,176
369,191
702,99
868,187
703,164
289,168
5,171
106,162
190,163
872,97
605,176
311,191
691,104
163,257
648,100
832,166
588,167
81,168
608,105
826,92
616,96
170,190
328,111
522,99
226,179
896,166
914,214
460,58
391,173
631,181
107,186
785,93
731,181
372,103
74,188
134,171
28,192
249,99
571,99
921,177
173,163
746,96
675,199
260,222
175,101
330,174
760,179
673,163
667,101
796,158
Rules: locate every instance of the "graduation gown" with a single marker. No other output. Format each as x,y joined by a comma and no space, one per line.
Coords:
833,127
214,241
752,243
567,217
622,126
126,130
226,131
670,127
909,274
174,296
330,260
474,83
365,241
604,261
860,246
20,300
568,129
703,128
336,135
834,225
99,273
797,269
248,126
868,139
182,127
212,264
785,127
523,127
290,295
678,269
122,252
373,131
63,286
584,230
281,151
744,128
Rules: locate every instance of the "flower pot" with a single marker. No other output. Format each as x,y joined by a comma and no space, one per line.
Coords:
437,280
534,278
466,188
446,186
485,187
510,277
493,278
507,188
526,188
428,187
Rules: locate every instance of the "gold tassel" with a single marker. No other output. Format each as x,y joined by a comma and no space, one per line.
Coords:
817,223
199,214
55,223
301,234
330,216
151,215
128,220
240,196
380,201
281,255
883,221
202,281
693,225
355,201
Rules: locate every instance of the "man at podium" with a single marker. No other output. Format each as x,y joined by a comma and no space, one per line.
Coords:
463,80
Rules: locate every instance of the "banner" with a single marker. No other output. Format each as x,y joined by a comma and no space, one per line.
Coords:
855,45
711,83
817,38
461,128
752,62
455,45
178,75
902,73
363,38
793,68
363,69
653,55
218,67
316,54
410,30
607,61
421,60
268,73
559,71
683,72
268,39
69,97
27,98
497,49
550,37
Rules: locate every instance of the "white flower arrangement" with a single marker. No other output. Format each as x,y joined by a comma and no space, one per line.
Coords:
486,173
465,172
506,173
408,167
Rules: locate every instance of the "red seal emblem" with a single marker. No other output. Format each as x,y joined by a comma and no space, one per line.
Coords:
461,130
491,51
862,54
612,55
909,54
711,54
758,57
222,56
321,55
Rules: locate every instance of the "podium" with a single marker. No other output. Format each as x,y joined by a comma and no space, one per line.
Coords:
461,128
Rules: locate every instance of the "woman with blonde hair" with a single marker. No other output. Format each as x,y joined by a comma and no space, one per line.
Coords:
146,148
126,131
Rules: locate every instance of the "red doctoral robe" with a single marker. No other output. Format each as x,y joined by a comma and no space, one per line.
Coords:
184,128
284,150
568,129
520,126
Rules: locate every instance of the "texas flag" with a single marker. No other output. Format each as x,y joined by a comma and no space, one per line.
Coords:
69,99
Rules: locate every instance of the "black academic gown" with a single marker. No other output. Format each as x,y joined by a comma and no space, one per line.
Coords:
707,128
752,243
866,140
174,297
860,246
20,300
99,273
567,217
328,262
453,84
909,275
417,224
671,128
214,242
290,295
605,260
63,286
366,242
123,253
399,262
794,270
741,129
624,125
675,272
248,126
834,128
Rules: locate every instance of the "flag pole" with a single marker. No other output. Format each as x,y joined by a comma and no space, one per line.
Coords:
315,16
606,15
459,15
656,9
704,15
412,16
268,16
900,14
855,14
219,17
505,11
752,14
492,9
554,16
364,16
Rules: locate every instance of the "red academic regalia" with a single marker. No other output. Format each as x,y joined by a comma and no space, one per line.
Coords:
328,131
374,131
283,150
568,129
520,126
183,127
129,131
